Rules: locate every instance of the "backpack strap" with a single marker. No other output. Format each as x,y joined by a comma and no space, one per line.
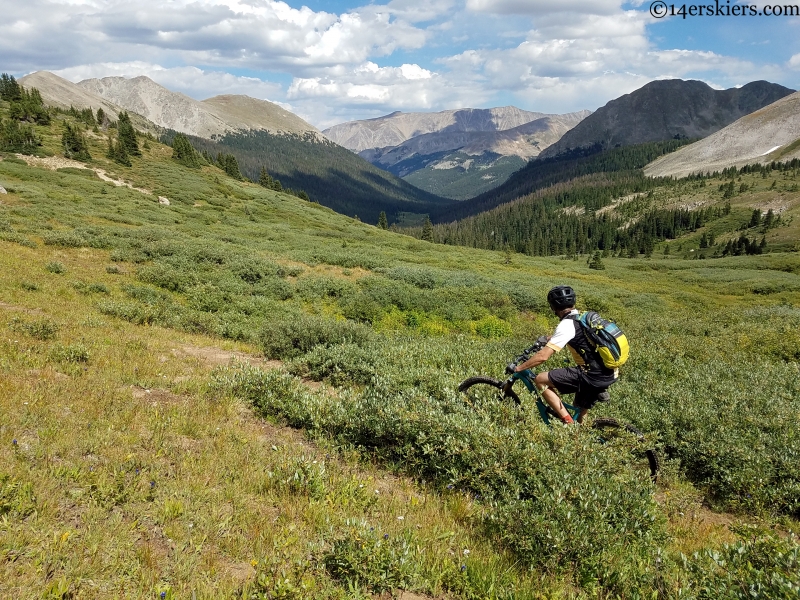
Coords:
592,359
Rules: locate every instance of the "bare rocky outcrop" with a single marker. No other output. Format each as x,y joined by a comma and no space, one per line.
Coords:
772,133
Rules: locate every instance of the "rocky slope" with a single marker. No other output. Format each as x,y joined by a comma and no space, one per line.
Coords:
772,133
62,93
667,109
212,117
526,140
396,128
435,151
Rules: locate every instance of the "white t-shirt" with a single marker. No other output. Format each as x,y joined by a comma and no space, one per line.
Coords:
564,334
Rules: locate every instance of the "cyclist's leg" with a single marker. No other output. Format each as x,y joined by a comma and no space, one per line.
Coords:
550,394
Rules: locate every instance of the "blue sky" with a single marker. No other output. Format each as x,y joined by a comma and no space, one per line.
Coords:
337,60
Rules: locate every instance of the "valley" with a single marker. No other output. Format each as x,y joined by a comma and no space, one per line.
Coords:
245,394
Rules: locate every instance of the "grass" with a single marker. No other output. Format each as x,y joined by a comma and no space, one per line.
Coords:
130,469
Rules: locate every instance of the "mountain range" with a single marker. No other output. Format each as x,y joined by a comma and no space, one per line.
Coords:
455,153
769,134
661,110
260,134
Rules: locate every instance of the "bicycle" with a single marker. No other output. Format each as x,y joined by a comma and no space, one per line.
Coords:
481,390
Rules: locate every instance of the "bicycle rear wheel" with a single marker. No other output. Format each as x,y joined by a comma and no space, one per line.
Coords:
483,391
643,459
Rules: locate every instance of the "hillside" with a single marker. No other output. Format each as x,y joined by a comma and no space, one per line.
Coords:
208,118
213,389
545,172
628,214
61,93
769,134
457,153
260,134
666,109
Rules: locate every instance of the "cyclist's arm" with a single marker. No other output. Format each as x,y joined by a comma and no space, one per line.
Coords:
537,359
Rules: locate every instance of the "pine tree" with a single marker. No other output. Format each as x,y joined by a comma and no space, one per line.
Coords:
101,117
74,143
10,90
427,229
229,164
117,152
15,137
383,223
596,262
126,135
184,152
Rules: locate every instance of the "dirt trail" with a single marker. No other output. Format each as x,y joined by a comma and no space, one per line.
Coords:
57,162
29,311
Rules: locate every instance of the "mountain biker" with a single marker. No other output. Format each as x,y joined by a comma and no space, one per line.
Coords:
589,380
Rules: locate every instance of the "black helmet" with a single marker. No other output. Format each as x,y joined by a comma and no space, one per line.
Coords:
560,297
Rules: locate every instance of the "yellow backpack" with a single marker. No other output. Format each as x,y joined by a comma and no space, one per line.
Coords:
609,341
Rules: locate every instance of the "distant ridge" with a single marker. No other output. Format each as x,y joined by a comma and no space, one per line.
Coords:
663,110
455,153
215,116
769,134
57,91
397,127
258,133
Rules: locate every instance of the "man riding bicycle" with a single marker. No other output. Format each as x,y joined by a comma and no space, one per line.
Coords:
589,380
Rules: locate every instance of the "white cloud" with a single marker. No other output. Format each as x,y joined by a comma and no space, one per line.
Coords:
540,7
794,62
263,34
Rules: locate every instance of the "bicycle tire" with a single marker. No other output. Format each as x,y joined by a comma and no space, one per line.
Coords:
609,425
480,390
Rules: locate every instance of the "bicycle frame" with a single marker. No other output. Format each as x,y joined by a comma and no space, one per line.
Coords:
527,378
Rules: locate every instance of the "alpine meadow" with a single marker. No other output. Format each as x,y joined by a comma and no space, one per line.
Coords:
210,388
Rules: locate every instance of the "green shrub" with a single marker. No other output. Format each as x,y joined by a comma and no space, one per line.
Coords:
40,329
28,286
169,277
70,353
492,327
291,338
363,557
764,566
542,486
17,499
55,267
340,365
90,288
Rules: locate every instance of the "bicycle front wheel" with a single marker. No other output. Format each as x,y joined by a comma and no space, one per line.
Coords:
484,391
641,458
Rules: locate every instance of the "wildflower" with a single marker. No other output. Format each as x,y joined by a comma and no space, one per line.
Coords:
163,595
400,518
386,536
466,552
463,568
152,484
14,442
450,486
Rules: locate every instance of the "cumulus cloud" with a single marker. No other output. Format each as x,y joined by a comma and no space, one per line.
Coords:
538,54
264,34
540,7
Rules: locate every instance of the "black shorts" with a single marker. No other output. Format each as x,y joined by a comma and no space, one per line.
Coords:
574,380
